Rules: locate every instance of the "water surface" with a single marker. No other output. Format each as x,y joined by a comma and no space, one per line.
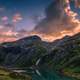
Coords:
49,75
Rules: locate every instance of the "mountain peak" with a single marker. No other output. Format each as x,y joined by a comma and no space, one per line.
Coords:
34,37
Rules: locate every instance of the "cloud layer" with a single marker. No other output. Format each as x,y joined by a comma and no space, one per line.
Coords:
60,21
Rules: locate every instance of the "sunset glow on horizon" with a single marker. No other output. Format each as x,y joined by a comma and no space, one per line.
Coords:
20,23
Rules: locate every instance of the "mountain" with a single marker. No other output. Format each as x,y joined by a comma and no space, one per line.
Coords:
23,52
63,55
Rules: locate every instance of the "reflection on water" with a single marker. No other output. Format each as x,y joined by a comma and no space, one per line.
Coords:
44,74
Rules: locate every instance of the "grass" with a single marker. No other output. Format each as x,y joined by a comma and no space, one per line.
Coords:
73,72
7,75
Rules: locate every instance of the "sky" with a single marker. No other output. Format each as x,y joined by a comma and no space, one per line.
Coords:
26,9
48,19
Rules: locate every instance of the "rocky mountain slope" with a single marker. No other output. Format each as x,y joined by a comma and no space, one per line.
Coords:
65,56
62,55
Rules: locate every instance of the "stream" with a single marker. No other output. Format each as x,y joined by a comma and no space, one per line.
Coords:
45,74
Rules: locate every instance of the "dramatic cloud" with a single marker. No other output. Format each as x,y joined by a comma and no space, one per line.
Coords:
60,21
54,21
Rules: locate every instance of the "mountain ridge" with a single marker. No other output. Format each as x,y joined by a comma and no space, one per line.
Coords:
61,55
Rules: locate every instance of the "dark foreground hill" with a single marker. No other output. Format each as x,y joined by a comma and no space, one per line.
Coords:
62,55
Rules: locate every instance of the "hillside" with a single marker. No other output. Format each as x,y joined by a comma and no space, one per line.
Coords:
65,56
31,52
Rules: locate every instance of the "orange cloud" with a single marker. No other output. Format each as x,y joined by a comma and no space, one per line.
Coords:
6,34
